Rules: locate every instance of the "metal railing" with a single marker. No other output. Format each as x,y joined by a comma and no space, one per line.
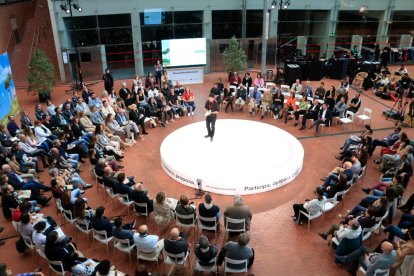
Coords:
33,45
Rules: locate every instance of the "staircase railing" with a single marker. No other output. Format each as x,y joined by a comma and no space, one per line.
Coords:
33,46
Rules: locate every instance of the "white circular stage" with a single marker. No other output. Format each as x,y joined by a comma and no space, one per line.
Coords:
246,157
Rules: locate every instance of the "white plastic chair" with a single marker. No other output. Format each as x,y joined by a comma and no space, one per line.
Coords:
348,119
59,264
192,224
311,217
235,262
176,259
382,272
102,237
141,205
202,226
67,214
83,226
29,243
112,195
124,200
210,268
366,115
241,222
124,246
152,256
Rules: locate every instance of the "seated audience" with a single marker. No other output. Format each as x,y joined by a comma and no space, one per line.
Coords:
310,207
238,211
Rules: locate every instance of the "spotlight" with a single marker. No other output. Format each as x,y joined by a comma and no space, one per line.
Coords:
273,4
362,9
285,6
77,7
65,8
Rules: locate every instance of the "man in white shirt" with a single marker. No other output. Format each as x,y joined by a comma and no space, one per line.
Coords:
147,243
351,230
310,206
31,151
107,109
42,133
296,87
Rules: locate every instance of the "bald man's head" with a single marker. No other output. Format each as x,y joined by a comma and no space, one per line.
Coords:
387,247
143,230
347,165
107,170
175,233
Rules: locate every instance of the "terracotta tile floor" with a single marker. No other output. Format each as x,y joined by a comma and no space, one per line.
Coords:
282,248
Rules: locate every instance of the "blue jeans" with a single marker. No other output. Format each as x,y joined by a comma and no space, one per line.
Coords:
76,180
34,187
406,221
357,210
34,207
75,194
333,177
191,106
393,230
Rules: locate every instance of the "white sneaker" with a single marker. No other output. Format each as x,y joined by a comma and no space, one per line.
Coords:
192,113
188,114
177,116
274,117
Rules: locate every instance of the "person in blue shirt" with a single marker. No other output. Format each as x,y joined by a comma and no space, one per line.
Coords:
123,231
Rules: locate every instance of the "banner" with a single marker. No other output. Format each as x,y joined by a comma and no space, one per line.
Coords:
188,75
8,98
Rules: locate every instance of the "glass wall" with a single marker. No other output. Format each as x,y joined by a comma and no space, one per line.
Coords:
226,24
355,23
174,25
402,23
114,31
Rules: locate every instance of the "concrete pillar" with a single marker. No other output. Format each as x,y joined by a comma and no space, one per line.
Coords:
273,22
356,41
333,21
405,41
384,23
208,34
137,43
302,41
56,40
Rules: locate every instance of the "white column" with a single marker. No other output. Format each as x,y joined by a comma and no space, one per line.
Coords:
56,40
208,34
136,42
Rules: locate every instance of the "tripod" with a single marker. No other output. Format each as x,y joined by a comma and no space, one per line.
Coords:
399,108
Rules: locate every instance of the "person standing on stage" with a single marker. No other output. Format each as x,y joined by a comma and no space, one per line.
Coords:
212,109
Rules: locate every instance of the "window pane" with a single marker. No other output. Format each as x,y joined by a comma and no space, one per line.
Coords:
188,31
254,29
255,16
115,36
224,31
86,37
156,33
81,22
126,53
227,16
114,20
188,17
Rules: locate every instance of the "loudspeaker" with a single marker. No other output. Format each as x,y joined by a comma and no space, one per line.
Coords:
292,72
339,69
393,114
316,70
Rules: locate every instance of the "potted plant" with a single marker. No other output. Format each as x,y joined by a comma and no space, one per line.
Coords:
41,75
234,57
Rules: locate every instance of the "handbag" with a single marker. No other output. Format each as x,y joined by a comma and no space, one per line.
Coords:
21,246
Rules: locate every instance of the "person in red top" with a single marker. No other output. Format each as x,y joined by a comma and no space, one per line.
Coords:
235,79
188,98
290,105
